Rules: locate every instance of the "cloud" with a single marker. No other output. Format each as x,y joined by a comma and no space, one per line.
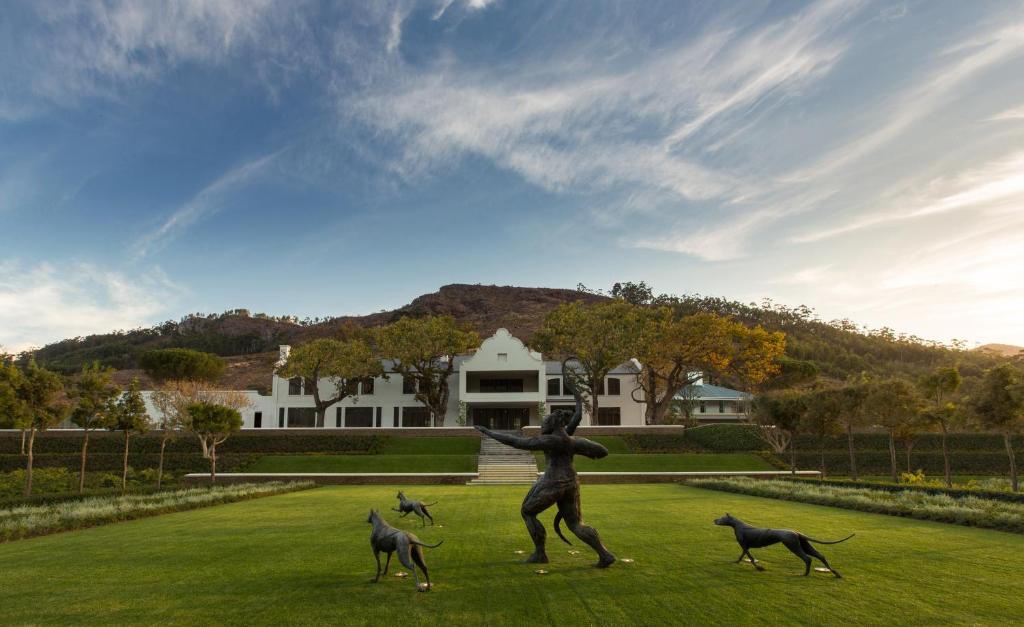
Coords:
49,302
1010,115
210,200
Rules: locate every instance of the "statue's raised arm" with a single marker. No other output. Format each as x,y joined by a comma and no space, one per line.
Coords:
535,443
577,415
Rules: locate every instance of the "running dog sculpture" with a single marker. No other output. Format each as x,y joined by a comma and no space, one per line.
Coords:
755,537
405,506
387,539
559,484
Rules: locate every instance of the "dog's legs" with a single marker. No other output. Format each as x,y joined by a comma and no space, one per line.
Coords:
794,545
754,561
742,555
404,550
813,552
417,556
569,506
427,514
376,556
420,512
387,564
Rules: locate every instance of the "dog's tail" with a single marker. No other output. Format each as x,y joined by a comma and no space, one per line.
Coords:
429,546
558,528
832,542
430,504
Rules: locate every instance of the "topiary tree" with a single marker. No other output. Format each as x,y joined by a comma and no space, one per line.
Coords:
129,417
182,363
42,399
13,410
423,350
342,362
938,387
999,406
213,424
94,394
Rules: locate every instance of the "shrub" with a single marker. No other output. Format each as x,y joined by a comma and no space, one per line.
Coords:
182,363
726,438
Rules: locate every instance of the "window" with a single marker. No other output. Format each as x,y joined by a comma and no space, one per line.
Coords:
721,407
367,386
408,385
359,417
703,408
379,410
501,385
395,419
553,387
502,357
307,388
257,420
295,386
609,416
613,386
337,417
280,418
415,417
301,417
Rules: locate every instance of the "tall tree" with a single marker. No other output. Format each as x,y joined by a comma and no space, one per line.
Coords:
851,416
591,340
343,363
939,387
45,406
174,398
896,406
213,424
129,417
93,393
999,405
779,417
423,350
13,410
821,419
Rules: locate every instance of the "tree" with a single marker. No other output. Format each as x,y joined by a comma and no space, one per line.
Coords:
342,362
821,419
129,417
423,350
938,387
94,394
851,416
896,405
173,401
590,340
793,373
633,293
779,416
999,405
168,364
42,395
13,410
212,424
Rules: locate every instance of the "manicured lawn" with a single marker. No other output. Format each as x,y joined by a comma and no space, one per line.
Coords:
432,446
304,558
668,462
364,463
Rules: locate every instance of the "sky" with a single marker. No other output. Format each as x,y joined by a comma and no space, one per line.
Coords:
317,159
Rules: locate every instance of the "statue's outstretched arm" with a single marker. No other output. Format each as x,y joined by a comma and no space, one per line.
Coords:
536,443
589,448
577,416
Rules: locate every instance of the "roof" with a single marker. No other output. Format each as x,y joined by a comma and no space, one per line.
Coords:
711,392
555,367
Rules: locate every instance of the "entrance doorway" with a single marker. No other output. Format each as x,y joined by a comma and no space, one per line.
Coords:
501,418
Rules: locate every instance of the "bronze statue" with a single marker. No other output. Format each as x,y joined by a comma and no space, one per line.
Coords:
386,538
407,506
559,485
750,537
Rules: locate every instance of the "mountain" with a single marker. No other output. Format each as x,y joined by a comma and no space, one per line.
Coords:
1003,350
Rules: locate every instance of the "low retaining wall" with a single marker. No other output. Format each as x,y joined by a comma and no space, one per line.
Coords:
585,430
335,478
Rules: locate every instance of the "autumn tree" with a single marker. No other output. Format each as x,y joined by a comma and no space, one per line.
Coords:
213,424
896,406
173,400
999,406
94,394
42,399
423,350
591,340
939,387
779,417
821,419
129,417
342,363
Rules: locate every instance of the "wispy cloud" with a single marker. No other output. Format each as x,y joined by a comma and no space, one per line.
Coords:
49,302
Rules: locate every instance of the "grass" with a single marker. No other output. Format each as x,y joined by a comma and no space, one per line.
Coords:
668,462
364,463
303,558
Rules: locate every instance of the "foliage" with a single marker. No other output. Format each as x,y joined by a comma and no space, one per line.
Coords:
779,416
129,416
364,463
94,394
423,350
29,521
896,406
213,424
170,364
999,405
342,362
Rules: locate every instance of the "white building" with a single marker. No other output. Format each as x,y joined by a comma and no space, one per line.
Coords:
502,385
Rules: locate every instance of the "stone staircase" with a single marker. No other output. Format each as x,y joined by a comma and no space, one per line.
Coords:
499,464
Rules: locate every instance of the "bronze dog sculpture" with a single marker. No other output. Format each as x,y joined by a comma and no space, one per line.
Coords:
559,485
755,537
387,539
405,506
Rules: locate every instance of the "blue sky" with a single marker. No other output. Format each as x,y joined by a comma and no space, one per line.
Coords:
863,158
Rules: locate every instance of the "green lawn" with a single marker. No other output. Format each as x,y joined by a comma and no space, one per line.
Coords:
303,558
668,462
364,463
447,445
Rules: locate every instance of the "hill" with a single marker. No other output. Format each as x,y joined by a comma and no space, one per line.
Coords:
1003,350
838,348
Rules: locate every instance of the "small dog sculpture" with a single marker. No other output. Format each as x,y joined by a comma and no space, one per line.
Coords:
405,506
755,537
386,538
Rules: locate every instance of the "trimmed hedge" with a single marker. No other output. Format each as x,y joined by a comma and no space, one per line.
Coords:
718,438
877,462
928,442
1012,497
70,442
173,462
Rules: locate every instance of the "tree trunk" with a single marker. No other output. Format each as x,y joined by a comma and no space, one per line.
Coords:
1006,440
822,451
945,458
910,449
22,441
213,463
594,404
160,466
81,471
124,469
853,457
892,458
28,467
792,453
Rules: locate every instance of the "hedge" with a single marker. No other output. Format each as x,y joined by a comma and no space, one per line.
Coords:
1012,497
241,443
173,462
928,442
718,438
877,462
